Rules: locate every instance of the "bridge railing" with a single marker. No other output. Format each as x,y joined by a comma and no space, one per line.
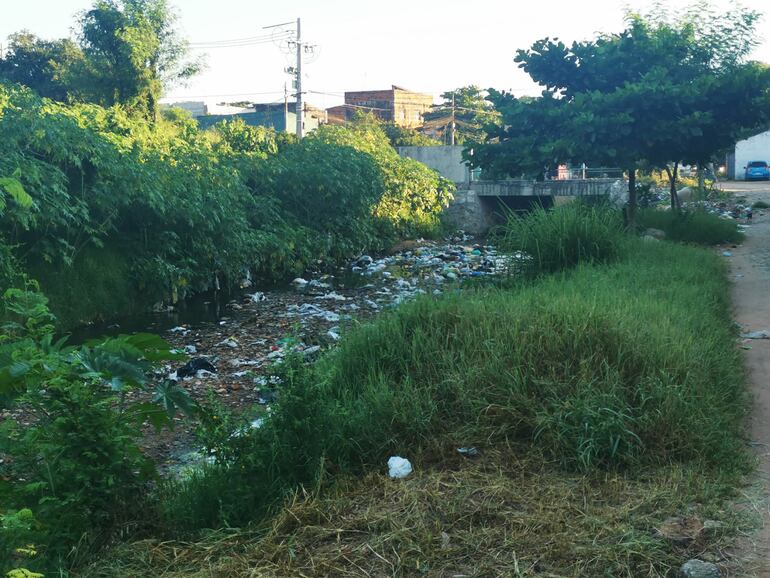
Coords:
554,188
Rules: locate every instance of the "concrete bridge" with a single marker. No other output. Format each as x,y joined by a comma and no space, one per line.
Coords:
480,205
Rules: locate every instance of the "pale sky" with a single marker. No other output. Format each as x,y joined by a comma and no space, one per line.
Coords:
423,45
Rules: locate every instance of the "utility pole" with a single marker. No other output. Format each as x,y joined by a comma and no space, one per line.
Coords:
452,125
285,107
298,110
296,72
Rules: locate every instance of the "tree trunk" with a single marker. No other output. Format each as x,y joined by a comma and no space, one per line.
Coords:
672,175
632,202
701,179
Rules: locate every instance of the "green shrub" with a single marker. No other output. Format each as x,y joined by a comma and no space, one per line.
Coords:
618,366
761,205
74,464
696,226
565,236
146,212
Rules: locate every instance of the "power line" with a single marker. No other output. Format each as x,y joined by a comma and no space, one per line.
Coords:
239,45
218,95
249,41
244,39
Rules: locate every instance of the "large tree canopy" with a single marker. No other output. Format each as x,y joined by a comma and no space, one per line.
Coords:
128,51
46,66
666,89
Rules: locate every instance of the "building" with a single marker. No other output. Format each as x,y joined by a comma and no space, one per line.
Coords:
755,148
194,107
273,115
401,106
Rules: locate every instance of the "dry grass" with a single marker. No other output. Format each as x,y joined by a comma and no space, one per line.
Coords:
501,514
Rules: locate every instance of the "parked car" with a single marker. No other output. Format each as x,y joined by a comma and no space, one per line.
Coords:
757,171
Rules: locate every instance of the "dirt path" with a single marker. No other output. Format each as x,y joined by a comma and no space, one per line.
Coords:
750,267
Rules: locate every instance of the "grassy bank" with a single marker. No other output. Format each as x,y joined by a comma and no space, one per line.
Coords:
692,226
606,397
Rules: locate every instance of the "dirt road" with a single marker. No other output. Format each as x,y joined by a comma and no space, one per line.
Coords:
750,268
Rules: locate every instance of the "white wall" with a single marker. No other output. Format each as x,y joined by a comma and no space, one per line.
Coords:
756,148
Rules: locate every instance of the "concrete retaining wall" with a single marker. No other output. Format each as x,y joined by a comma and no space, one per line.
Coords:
446,160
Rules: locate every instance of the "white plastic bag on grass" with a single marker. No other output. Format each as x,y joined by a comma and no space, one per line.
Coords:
399,467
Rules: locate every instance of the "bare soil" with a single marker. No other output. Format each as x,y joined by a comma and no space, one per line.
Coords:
750,267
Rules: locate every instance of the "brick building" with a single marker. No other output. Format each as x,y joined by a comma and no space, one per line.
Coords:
404,107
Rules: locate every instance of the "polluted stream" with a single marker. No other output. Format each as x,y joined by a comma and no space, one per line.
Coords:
234,349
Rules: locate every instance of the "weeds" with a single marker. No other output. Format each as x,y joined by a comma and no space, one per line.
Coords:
696,226
761,205
565,237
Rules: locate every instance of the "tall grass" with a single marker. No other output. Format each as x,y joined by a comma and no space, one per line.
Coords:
565,236
695,226
602,367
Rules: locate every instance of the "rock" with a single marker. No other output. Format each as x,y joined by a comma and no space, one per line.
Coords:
699,569
618,194
656,233
685,194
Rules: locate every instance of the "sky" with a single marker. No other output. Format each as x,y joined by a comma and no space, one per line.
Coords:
423,45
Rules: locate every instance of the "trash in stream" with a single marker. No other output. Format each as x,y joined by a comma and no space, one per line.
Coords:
267,396
310,310
266,327
193,366
229,342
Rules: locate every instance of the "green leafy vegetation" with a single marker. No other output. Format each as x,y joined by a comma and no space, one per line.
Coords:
131,213
565,237
126,52
75,471
665,90
469,110
695,226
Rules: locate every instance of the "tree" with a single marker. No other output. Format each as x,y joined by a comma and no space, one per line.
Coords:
529,141
661,91
133,51
469,109
402,136
45,66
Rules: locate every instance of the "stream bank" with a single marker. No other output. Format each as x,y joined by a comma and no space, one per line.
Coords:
246,337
